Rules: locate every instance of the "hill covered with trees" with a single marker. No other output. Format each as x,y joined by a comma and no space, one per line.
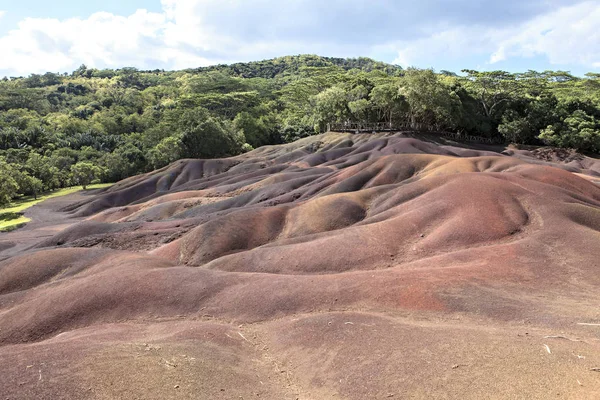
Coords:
57,130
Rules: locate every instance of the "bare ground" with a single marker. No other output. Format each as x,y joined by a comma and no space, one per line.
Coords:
337,267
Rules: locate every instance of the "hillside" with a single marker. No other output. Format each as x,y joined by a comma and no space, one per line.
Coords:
59,130
294,65
341,265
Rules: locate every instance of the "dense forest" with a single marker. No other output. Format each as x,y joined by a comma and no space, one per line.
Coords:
58,130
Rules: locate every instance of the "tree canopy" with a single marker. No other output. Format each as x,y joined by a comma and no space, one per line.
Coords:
58,130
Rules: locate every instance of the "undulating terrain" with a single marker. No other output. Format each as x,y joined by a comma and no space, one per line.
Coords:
340,266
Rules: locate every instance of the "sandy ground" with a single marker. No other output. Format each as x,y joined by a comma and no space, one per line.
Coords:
337,267
46,221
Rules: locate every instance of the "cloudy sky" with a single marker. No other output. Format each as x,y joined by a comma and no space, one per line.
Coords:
39,35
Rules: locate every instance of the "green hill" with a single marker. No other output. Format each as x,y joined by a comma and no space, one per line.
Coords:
57,130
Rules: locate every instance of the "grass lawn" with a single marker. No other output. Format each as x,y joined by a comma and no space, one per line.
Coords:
10,221
12,217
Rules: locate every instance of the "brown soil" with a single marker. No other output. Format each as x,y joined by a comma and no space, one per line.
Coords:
339,266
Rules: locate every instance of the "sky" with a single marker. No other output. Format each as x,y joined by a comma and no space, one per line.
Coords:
514,35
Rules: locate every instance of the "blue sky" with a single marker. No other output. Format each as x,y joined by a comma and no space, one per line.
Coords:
515,35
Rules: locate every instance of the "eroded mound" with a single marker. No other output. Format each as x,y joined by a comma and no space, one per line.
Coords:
325,246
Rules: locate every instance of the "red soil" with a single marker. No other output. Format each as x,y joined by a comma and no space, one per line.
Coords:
339,266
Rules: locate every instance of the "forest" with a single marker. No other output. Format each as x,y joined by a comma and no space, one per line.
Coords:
60,130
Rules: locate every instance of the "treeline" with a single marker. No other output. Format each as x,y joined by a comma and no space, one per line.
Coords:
59,130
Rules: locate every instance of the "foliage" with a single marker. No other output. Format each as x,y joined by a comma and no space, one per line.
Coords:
57,130
257,131
492,89
431,104
205,136
8,185
29,185
165,152
580,130
85,173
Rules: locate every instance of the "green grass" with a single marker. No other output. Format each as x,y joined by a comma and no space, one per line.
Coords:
8,224
12,216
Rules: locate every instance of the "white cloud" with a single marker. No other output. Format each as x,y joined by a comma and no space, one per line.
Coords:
569,35
192,33
103,39
453,43
565,36
187,33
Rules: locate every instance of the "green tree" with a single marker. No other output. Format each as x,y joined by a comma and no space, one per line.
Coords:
388,102
167,151
204,136
115,165
431,104
133,156
579,130
331,106
41,168
360,110
514,128
256,131
29,185
8,185
492,88
85,173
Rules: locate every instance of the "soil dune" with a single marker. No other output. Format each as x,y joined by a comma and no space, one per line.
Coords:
339,266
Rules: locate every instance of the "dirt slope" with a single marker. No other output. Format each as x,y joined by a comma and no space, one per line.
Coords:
339,266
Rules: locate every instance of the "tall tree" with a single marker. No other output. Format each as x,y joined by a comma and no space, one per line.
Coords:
8,185
492,88
85,173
